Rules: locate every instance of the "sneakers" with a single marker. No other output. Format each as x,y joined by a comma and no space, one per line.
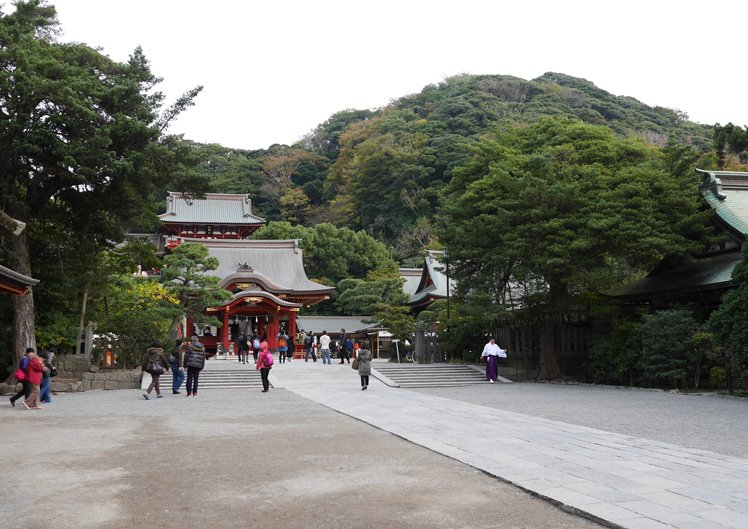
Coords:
12,402
146,397
160,397
176,392
189,394
265,390
491,381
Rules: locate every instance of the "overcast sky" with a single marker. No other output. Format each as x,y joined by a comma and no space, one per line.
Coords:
275,69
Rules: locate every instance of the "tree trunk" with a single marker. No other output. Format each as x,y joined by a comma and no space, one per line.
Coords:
82,320
24,330
549,364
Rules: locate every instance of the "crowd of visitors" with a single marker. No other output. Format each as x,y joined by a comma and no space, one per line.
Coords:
34,373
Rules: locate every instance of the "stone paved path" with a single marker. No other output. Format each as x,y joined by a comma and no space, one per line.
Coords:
622,480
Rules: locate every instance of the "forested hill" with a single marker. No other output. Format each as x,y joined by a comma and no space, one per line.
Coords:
382,170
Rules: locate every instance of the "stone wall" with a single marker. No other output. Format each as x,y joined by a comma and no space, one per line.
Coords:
70,382
111,380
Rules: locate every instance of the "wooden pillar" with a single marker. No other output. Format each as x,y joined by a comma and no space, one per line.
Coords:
292,325
225,330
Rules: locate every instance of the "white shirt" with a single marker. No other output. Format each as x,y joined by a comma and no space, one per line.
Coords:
491,349
324,341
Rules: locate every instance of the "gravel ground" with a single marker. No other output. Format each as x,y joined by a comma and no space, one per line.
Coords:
694,421
226,459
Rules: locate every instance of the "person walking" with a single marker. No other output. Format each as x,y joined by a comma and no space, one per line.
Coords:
291,347
364,365
264,364
349,349
492,353
25,390
194,359
324,348
343,346
155,364
46,359
176,359
242,347
282,345
34,376
256,342
334,349
309,343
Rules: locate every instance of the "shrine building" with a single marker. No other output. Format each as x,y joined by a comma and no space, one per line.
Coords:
266,277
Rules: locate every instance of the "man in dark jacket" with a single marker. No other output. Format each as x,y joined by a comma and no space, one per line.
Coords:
242,347
194,359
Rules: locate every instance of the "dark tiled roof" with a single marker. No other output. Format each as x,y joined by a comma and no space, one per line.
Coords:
13,282
707,274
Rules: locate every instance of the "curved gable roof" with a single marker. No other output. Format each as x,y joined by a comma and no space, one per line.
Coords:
278,265
726,192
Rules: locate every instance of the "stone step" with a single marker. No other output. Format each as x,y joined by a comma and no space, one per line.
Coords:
223,379
439,375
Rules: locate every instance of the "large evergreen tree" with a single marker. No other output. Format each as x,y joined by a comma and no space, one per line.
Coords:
82,142
550,207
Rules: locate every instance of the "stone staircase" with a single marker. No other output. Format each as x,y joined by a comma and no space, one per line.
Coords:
229,379
233,378
429,375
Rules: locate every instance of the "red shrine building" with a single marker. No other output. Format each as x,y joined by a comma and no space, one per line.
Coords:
266,278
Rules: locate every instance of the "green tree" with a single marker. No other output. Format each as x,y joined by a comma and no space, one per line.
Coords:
729,324
730,139
331,254
667,343
140,311
185,275
82,142
543,208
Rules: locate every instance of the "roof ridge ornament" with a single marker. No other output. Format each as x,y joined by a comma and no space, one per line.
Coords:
244,267
711,183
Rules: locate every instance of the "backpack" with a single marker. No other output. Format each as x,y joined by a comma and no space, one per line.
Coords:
309,340
268,360
282,343
256,344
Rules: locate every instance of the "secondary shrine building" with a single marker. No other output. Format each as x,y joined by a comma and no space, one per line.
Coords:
266,278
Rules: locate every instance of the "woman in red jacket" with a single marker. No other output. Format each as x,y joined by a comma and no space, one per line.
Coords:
264,363
34,377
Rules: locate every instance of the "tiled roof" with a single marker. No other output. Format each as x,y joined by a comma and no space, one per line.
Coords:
727,194
13,282
278,264
412,277
708,274
215,208
333,324
433,282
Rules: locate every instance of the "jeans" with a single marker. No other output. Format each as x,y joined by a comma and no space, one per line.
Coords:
255,353
264,372
364,380
282,355
193,373
178,377
44,391
314,356
325,356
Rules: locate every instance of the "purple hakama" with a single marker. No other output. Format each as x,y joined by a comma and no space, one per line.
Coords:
492,367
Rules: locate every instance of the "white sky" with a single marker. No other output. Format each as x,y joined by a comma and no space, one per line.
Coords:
274,69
